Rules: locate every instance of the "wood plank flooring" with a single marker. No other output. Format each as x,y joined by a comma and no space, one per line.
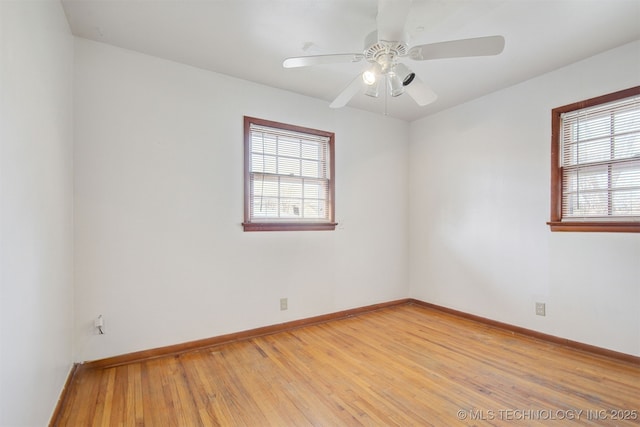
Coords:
401,366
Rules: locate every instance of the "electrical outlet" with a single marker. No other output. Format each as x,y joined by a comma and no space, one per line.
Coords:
284,303
540,309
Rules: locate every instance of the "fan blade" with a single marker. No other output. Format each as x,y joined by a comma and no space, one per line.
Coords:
420,92
348,92
392,17
305,61
481,46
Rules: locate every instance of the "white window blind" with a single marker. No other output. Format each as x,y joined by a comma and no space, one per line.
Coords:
600,160
289,175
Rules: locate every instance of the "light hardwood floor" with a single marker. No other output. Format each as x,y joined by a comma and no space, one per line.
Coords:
405,365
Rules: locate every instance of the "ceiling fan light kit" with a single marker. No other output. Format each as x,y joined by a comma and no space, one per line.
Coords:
384,47
369,77
396,88
373,90
406,75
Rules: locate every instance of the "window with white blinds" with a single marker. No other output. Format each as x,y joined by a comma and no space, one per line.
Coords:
289,179
599,162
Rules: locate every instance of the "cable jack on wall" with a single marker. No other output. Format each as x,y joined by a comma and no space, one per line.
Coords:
99,324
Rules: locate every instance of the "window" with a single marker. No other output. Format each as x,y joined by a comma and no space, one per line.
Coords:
289,177
595,164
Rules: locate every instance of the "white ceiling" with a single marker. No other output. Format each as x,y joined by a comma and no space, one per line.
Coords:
249,39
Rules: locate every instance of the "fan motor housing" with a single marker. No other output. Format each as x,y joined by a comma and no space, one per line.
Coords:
374,48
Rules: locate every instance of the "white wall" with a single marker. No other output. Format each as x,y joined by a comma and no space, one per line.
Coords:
159,249
479,200
36,225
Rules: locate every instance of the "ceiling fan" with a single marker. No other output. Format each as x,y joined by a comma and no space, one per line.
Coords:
384,47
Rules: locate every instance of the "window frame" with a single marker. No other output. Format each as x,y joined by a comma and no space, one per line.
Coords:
254,224
556,222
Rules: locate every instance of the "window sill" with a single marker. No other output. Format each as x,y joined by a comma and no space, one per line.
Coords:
596,226
289,226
